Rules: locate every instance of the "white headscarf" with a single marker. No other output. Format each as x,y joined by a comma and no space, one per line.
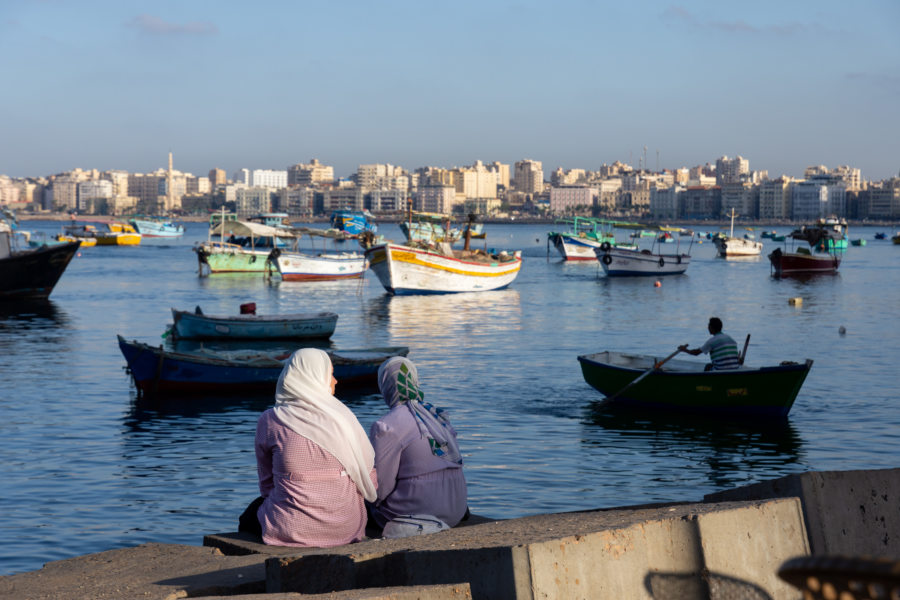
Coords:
398,381
303,402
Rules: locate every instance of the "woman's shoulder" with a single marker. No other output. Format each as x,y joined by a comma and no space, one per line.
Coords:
398,420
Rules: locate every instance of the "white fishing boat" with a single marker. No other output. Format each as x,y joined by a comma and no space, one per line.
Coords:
414,270
584,236
731,246
301,266
620,262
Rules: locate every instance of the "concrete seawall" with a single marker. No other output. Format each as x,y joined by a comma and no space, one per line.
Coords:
729,545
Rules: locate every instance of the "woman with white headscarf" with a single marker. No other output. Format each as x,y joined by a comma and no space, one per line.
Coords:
315,463
417,456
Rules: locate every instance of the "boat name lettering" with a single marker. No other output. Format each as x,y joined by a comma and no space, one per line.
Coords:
737,392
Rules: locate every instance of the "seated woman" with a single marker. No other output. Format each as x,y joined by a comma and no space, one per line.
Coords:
315,463
416,453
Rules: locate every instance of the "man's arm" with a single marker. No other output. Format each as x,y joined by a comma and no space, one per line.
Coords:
694,352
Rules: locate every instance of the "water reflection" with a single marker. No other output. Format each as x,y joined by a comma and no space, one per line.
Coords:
34,314
733,452
452,314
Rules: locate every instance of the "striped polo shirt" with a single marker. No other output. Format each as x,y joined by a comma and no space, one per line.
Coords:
723,352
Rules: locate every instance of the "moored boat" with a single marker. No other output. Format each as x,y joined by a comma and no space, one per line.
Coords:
156,370
220,256
196,325
583,236
413,270
118,234
29,273
303,266
353,222
896,238
731,246
684,385
881,235
624,262
157,227
859,242
802,260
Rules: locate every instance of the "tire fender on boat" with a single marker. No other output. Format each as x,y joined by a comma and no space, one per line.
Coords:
662,261
677,259
607,259
605,246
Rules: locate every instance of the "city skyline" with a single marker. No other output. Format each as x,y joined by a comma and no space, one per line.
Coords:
116,86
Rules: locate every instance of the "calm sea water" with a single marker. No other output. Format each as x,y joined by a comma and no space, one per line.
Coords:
86,467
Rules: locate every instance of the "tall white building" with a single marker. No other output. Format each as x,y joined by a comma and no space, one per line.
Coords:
731,170
268,179
529,176
90,192
775,198
308,174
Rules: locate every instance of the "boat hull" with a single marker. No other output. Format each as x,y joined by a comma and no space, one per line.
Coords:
796,263
150,228
191,326
157,371
295,266
622,262
732,246
407,270
32,274
230,258
761,392
572,247
118,239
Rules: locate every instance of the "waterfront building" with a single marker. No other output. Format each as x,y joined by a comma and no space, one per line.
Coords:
197,185
250,201
559,177
607,193
477,181
731,170
217,178
665,202
298,201
743,197
573,199
435,199
94,196
381,177
528,176
386,201
343,198
701,201
881,200
65,193
267,178
813,199
309,174
775,198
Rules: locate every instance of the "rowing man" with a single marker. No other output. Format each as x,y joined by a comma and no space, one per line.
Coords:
722,349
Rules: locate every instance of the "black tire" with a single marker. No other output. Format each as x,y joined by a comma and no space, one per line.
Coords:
662,261
607,259
605,246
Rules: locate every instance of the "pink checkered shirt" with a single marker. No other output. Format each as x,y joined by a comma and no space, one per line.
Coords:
310,499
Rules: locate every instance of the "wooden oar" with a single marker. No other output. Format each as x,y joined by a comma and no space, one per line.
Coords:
641,376
744,351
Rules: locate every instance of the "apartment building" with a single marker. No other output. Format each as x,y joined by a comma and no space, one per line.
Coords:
435,198
250,201
311,173
742,197
528,176
573,199
775,198
731,170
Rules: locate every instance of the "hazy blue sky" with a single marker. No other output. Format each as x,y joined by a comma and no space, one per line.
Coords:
118,84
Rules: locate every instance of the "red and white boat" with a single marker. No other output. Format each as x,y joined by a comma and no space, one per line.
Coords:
803,260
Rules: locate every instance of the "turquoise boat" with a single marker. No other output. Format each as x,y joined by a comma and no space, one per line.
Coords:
199,326
684,386
221,256
157,227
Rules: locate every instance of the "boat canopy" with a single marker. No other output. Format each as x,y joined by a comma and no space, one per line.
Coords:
247,228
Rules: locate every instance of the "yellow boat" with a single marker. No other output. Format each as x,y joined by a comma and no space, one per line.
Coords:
119,234
86,234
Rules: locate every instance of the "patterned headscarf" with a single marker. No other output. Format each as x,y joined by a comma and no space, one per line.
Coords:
398,381
303,402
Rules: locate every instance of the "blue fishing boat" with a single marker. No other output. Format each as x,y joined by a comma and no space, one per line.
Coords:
157,227
199,326
353,222
156,370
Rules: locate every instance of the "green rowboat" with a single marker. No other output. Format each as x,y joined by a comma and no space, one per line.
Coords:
683,385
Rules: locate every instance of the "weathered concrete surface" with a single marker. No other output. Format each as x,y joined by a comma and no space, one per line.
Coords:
851,513
681,551
149,571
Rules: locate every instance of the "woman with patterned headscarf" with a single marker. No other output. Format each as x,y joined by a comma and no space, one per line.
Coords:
315,463
417,456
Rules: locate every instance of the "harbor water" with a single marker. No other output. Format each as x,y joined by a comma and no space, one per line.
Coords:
88,466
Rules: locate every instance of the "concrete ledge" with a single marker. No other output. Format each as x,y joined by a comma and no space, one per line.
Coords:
149,571
852,513
640,553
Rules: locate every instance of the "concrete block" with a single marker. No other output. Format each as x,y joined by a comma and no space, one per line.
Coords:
853,513
682,551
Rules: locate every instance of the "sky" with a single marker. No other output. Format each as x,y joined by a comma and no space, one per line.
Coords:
118,84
